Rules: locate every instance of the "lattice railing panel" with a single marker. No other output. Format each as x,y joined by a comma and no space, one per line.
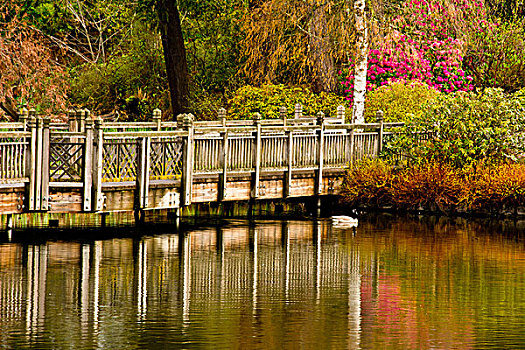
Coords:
119,160
66,159
166,158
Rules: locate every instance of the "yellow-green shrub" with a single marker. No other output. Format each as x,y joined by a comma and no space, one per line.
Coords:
397,100
368,183
267,100
492,187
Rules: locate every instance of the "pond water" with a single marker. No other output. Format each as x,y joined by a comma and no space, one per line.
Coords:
392,283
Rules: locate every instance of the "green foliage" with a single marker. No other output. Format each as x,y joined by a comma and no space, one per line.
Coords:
463,129
520,95
211,29
398,100
267,100
133,82
205,105
495,56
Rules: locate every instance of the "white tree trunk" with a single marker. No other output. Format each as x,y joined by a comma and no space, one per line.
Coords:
361,61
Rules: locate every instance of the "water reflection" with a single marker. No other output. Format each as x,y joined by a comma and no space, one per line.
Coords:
269,284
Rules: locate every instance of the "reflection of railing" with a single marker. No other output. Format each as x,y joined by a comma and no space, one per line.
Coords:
88,154
288,261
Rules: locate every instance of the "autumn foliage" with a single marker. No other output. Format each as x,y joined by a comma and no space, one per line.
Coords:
29,72
436,186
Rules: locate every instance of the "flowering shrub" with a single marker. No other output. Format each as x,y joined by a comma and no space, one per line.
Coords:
428,47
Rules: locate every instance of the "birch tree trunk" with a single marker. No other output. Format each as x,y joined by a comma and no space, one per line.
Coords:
361,61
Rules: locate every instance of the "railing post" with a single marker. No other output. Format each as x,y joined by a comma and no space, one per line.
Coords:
157,118
88,163
72,120
23,117
298,113
320,153
45,163
225,161
222,116
187,156
32,160
180,120
82,115
283,115
289,159
257,155
380,131
39,148
341,114
350,146
142,179
98,153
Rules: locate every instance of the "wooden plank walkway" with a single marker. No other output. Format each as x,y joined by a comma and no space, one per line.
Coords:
87,165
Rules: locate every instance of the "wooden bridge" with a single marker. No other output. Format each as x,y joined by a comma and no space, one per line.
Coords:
87,165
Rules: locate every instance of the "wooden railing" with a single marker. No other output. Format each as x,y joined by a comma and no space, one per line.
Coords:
89,154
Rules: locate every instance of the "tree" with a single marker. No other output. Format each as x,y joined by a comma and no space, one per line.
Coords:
174,54
361,62
297,42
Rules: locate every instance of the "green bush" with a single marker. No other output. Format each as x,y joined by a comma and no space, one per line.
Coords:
269,98
495,57
464,129
398,100
133,82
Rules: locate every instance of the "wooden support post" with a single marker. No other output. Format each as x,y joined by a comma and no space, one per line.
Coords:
320,153
72,120
46,145
341,114
88,165
225,164
38,166
283,115
380,132
180,120
142,179
23,117
187,159
157,118
31,165
298,113
350,147
82,115
257,156
98,152
222,116
289,159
